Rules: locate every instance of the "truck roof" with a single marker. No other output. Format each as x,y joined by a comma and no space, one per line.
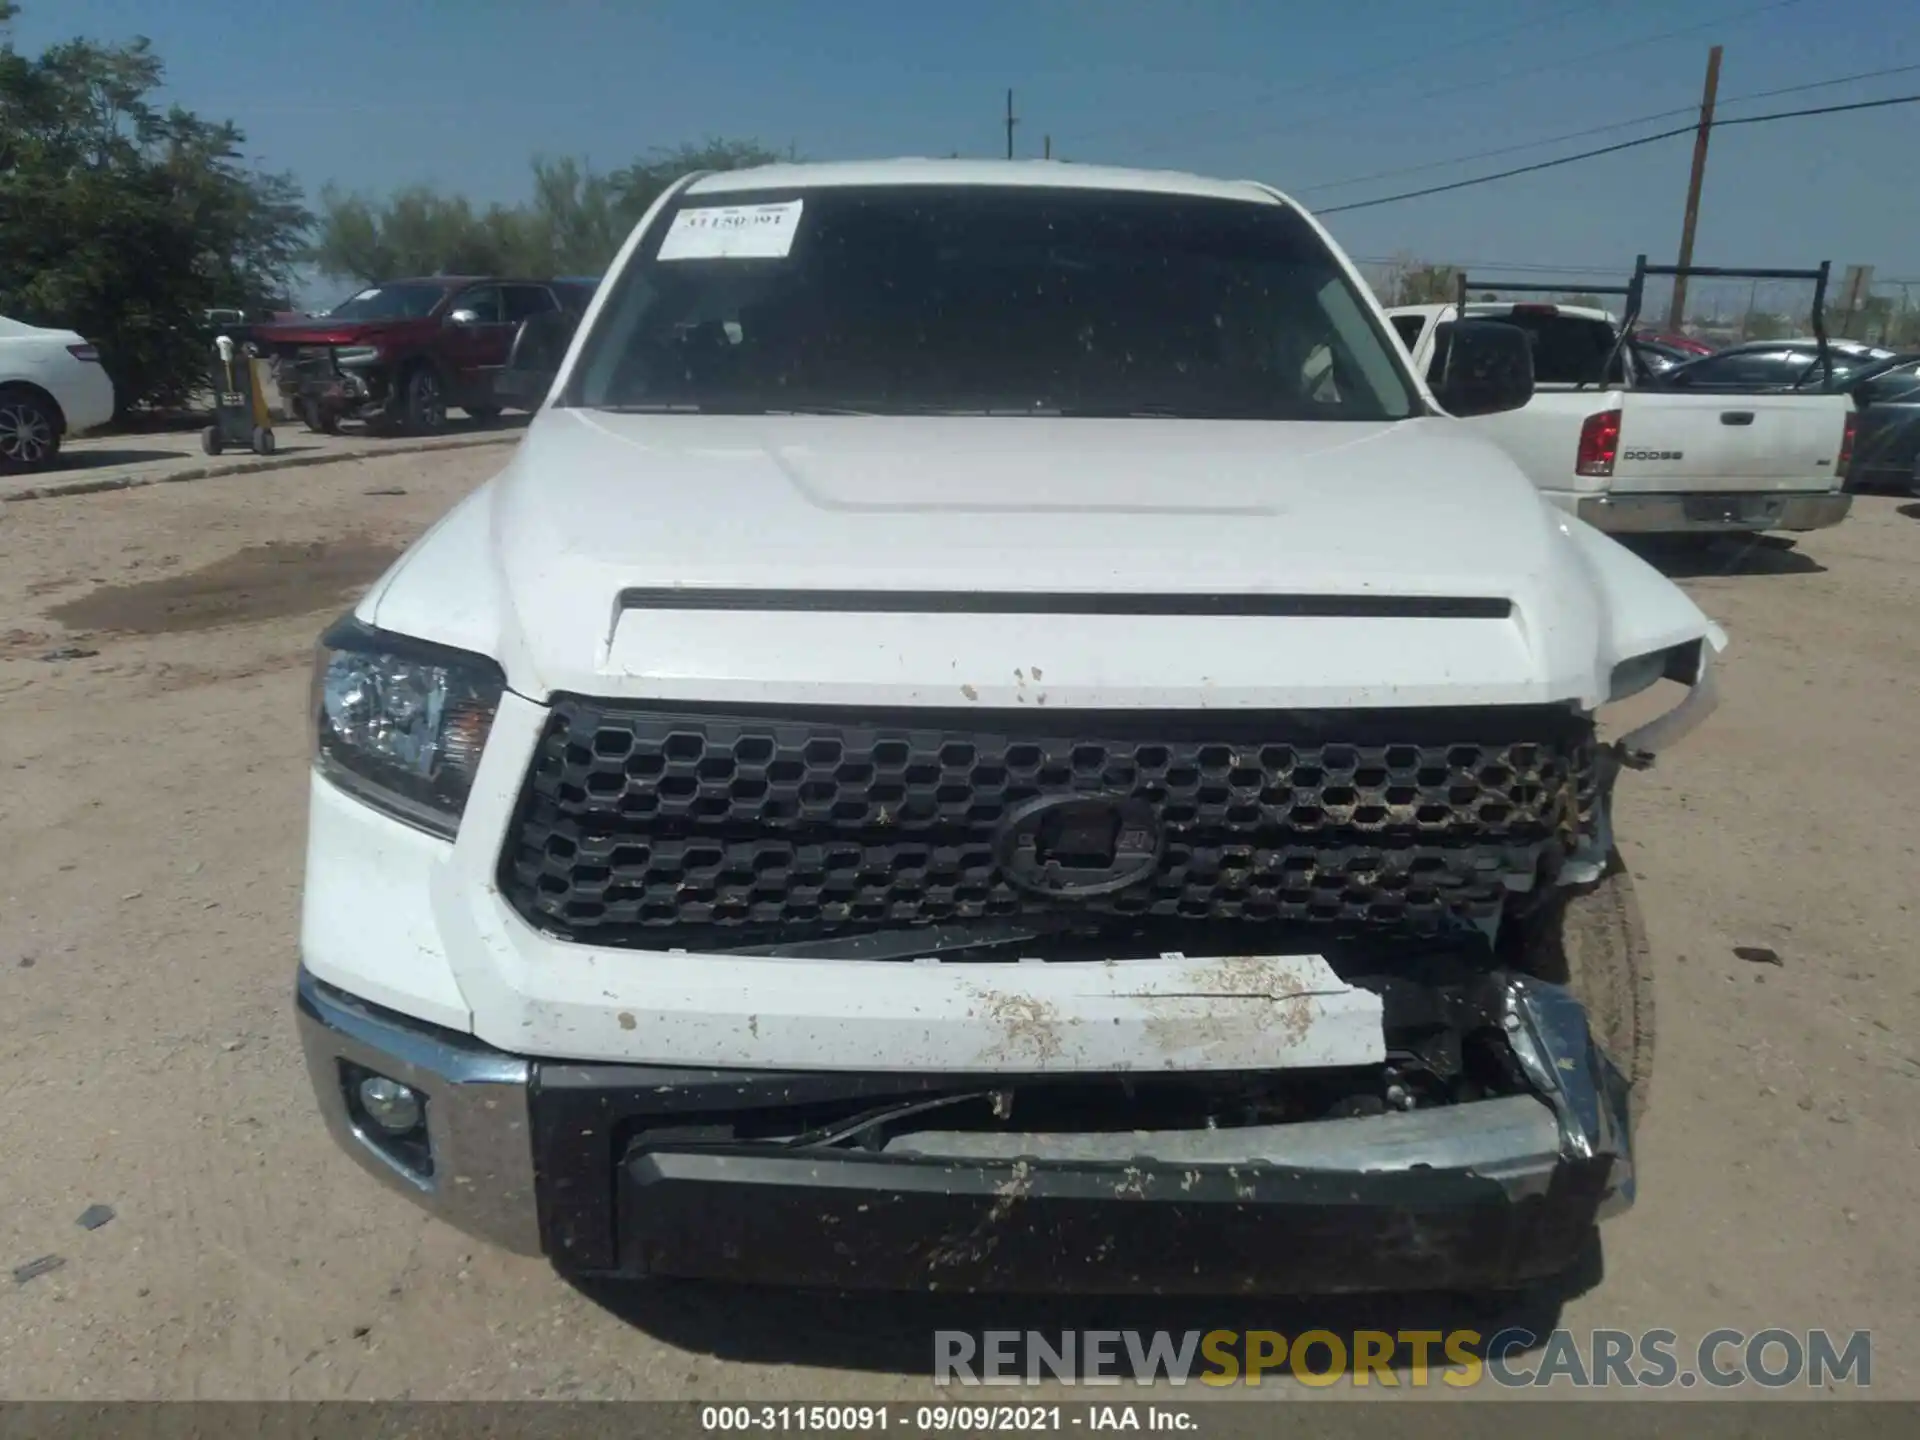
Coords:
1054,174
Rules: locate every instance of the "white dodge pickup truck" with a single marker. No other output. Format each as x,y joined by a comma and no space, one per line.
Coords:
993,734
1631,458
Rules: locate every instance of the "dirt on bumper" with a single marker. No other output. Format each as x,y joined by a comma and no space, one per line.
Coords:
636,1170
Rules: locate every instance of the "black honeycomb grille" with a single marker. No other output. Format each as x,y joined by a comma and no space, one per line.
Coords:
653,828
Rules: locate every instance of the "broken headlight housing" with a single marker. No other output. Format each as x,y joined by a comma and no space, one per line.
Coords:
401,723
1643,672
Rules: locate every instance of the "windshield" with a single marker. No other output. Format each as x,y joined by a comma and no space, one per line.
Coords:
390,302
970,299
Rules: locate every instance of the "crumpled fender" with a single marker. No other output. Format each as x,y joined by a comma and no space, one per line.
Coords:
1642,609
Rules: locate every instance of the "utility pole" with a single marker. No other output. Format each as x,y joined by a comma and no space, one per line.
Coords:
1046,150
1677,311
1011,122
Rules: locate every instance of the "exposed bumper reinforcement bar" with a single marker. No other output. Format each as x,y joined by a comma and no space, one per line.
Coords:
1710,514
1496,1192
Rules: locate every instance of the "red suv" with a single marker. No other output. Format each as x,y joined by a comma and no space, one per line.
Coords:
400,354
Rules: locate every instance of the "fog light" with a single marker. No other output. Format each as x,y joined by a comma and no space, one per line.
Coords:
394,1107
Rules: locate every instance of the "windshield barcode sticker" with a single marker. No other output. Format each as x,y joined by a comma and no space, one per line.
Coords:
732,232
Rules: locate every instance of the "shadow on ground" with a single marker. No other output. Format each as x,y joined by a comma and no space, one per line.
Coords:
895,1333
99,459
1912,512
1728,555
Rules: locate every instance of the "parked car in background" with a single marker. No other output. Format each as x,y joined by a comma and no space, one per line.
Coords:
1605,440
52,387
398,355
1775,365
1657,357
1886,447
1667,340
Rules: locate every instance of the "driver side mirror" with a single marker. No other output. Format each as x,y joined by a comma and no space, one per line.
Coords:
463,316
1489,369
539,346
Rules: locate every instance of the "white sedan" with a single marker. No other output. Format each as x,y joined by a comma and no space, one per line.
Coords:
51,387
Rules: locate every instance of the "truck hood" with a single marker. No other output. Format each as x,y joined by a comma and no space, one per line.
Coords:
955,562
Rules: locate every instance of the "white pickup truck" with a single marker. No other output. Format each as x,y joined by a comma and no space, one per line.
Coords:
1630,458
994,734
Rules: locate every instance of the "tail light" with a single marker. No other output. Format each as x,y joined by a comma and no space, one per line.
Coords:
84,352
1599,443
1846,446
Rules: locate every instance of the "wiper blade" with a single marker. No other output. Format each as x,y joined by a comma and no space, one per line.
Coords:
651,408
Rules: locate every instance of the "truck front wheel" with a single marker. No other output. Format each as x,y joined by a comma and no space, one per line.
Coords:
1596,945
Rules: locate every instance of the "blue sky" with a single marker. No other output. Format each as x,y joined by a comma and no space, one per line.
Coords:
374,95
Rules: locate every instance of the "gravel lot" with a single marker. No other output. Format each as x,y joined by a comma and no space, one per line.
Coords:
151,803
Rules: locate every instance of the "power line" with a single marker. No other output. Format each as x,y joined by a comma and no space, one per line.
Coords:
1601,129
1422,57
1501,150
1580,61
1615,149
1822,84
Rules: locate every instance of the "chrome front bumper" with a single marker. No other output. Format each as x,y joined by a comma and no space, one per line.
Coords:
1493,1192
1708,514
482,1178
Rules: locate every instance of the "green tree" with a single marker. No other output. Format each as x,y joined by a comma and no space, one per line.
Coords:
573,223
125,221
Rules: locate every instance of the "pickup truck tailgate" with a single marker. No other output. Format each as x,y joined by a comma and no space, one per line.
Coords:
1671,442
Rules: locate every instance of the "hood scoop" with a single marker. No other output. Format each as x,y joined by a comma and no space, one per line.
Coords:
972,602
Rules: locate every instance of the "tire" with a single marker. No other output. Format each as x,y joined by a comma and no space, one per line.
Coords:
1597,947
320,422
210,440
262,440
29,433
423,402
484,414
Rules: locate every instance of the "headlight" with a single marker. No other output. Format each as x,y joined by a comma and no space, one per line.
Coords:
1642,672
356,354
401,723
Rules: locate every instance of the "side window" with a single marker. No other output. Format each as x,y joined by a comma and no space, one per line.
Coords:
1567,350
484,301
526,300
1749,367
1408,328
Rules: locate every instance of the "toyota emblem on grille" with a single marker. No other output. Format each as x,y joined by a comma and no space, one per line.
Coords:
1073,847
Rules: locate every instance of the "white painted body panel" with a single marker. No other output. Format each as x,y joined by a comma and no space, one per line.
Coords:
532,569
40,357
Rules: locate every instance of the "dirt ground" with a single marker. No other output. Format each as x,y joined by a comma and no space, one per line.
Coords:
154,647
